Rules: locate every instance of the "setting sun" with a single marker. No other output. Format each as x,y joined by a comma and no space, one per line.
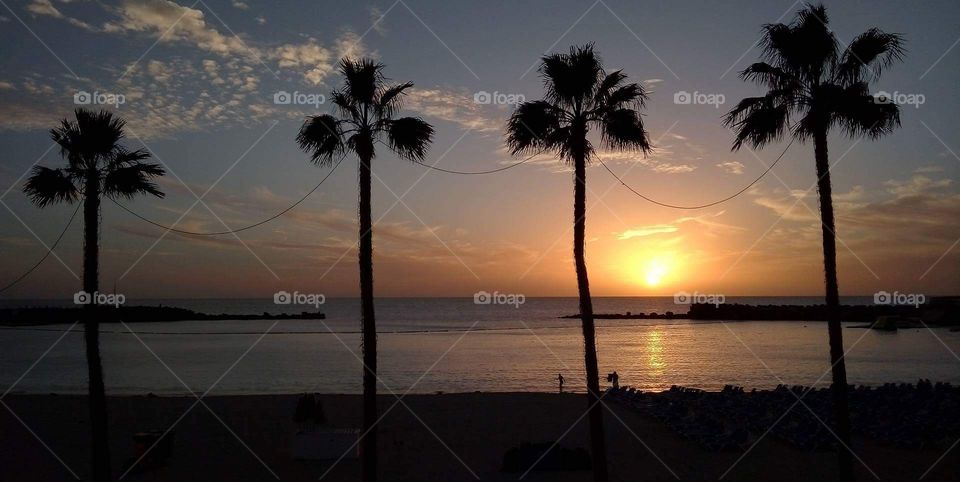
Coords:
655,271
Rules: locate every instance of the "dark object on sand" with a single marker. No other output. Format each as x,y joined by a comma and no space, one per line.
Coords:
543,457
309,410
151,450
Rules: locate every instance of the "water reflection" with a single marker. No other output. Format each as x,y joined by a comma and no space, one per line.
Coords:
655,352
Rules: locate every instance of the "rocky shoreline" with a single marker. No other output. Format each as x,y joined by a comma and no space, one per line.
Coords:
34,316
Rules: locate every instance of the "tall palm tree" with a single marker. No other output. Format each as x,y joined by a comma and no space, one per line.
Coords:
809,78
367,107
97,165
580,95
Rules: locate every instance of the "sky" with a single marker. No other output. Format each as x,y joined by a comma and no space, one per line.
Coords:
201,85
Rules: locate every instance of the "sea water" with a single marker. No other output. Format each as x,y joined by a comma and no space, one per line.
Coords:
457,345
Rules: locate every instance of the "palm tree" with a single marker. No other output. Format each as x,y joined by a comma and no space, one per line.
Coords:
97,165
367,107
808,77
579,95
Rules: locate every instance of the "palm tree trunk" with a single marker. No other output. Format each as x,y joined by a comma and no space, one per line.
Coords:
369,328
91,329
841,414
597,439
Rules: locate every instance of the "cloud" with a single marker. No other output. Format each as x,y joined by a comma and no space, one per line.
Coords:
239,5
213,81
647,231
656,161
732,167
914,186
907,212
452,106
45,8
705,221
170,22
376,20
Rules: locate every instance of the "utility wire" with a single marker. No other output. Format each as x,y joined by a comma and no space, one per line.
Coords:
504,168
45,256
232,231
452,171
701,206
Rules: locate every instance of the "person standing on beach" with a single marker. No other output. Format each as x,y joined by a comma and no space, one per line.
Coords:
560,380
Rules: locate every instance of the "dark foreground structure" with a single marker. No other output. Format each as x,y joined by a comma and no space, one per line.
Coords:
452,436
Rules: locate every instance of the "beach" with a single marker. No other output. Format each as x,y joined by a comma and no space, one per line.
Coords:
456,437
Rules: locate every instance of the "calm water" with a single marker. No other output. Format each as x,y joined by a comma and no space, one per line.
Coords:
454,345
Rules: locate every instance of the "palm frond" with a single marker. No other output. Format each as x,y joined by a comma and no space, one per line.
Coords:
805,49
612,81
571,79
410,137
321,137
123,157
133,178
626,96
362,80
868,54
622,129
769,76
92,137
758,121
391,100
47,186
533,127
346,105
860,113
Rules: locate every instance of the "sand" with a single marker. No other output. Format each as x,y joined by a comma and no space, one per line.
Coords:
447,437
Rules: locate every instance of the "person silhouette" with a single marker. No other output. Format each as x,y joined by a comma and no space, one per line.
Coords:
560,380
615,378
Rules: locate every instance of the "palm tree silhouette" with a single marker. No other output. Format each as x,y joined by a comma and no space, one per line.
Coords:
807,76
97,165
367,106
579,95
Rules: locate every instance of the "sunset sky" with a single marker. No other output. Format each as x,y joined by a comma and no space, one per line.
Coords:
199,81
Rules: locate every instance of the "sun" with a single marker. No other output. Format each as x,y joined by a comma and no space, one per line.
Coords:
654,272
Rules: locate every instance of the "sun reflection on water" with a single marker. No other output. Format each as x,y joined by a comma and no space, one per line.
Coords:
655,361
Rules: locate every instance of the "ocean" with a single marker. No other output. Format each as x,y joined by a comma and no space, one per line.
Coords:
455,345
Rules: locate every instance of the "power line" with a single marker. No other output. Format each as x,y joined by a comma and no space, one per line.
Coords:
232,231
45,256
701,206
451,171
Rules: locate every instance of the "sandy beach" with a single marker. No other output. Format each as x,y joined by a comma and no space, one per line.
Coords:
454,437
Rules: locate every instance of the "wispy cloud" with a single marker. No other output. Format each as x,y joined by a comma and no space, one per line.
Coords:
732,167
706,221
